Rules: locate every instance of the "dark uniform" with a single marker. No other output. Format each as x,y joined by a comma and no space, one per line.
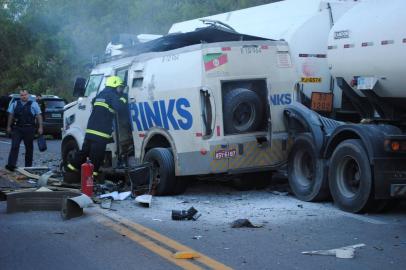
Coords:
23,129
99,128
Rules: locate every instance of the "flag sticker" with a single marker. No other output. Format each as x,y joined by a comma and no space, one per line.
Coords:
214,60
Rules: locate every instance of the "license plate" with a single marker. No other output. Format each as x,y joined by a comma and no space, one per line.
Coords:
56,115
322,102
220,154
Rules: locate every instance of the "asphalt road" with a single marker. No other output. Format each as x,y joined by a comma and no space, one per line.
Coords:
134,237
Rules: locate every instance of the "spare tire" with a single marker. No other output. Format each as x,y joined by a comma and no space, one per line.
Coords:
243,111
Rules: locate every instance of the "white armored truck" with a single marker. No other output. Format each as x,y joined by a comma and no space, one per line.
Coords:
198,105
349,56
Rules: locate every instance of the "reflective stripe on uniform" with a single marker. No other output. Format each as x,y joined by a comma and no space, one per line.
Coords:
123,100
98,133
71,167
103,104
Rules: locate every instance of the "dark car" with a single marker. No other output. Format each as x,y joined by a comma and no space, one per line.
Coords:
52,114
4,101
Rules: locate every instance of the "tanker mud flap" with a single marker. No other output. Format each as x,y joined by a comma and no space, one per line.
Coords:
300,119
390,178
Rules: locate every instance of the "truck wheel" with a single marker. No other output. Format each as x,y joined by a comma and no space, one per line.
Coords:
163,170
243,111
306,172
69,149
350,177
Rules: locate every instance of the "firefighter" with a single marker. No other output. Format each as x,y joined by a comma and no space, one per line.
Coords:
21,127
99,129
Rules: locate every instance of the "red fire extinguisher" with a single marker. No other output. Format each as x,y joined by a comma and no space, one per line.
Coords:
87,178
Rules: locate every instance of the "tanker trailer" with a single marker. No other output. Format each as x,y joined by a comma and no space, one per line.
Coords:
362,166
305,25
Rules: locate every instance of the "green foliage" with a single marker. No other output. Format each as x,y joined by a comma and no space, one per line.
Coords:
45,44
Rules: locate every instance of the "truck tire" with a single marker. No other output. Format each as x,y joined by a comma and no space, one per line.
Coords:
163,170
68,151
307,173
350,177
243,111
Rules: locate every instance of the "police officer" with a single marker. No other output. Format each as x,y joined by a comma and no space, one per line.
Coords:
21,126
99,128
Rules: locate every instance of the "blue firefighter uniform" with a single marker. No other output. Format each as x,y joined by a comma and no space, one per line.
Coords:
100,125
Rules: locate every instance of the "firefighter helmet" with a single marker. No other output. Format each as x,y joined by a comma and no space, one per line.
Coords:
114,81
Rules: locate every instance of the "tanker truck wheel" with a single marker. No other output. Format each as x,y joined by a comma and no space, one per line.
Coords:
243,111
306,172
350,177
164,180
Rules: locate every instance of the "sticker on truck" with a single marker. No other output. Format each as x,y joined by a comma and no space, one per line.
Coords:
214,60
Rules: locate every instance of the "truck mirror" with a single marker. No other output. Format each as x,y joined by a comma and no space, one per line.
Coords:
79,88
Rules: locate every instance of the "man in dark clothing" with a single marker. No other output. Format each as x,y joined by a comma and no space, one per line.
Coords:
21,126
99,127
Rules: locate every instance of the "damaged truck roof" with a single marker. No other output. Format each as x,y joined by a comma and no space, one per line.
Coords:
209,34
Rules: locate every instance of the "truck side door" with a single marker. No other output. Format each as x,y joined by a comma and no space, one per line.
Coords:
94,83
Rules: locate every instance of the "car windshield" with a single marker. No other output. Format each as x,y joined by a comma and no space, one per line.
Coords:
53,103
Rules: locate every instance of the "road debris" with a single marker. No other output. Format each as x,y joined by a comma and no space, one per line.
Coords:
105,203
190,214
186,255
73,207
43,179
115,195
347,252
46,199
243,222
144,200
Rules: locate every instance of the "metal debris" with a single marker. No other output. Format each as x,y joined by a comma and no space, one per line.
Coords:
190,214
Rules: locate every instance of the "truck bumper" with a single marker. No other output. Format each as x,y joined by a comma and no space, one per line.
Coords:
390,178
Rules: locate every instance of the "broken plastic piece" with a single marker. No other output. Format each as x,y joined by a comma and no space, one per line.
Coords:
106,203
43,179
116,196
144,200
186,255
347,252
